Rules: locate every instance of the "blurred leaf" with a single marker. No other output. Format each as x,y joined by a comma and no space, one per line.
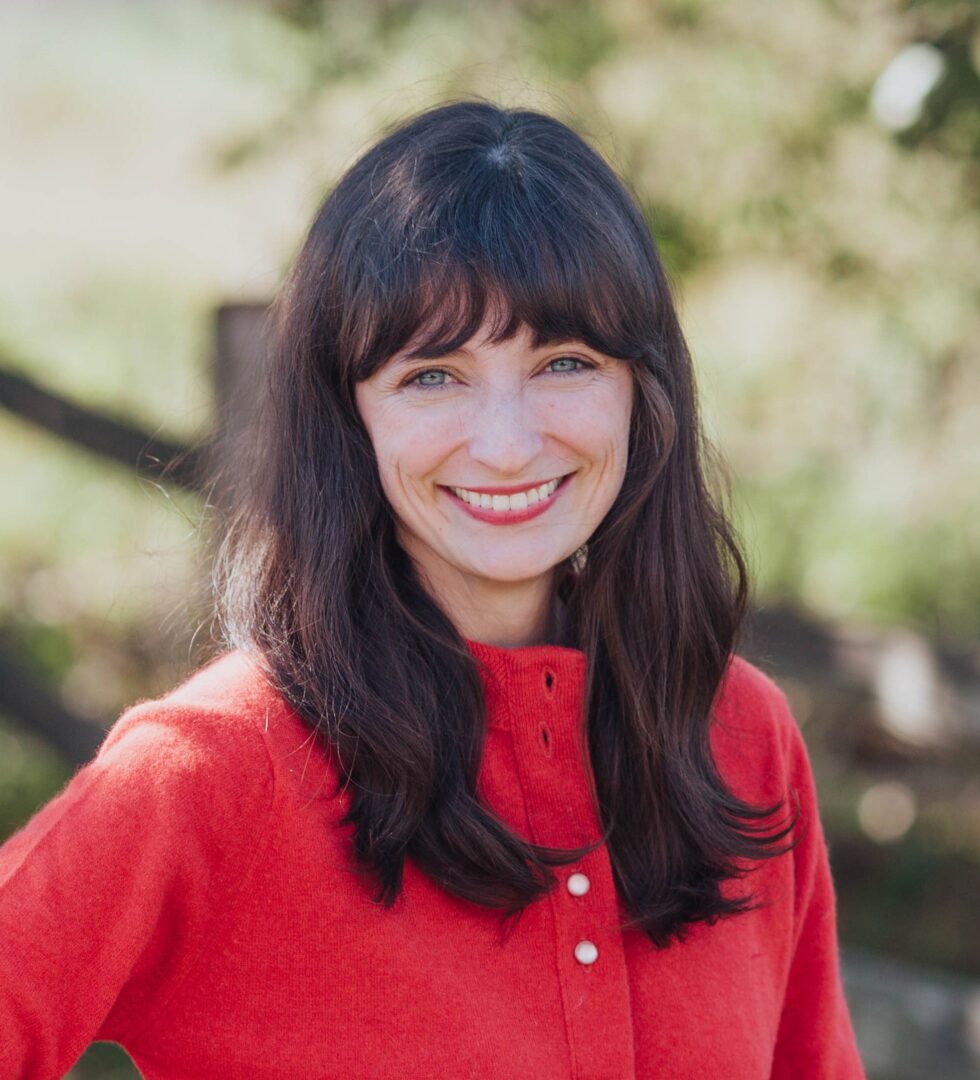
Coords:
684,242
569,37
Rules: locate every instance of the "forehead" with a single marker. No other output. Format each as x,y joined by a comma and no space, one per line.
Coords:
482,342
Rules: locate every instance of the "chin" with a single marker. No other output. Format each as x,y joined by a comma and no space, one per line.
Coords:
511,571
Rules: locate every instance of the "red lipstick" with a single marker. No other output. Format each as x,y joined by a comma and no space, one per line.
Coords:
507,517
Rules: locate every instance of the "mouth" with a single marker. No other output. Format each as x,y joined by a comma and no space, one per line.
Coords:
508,505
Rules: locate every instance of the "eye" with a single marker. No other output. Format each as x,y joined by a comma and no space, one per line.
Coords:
428,378
568,365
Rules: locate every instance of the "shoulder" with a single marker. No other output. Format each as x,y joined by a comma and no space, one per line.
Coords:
207,731
224,721
181,780
755,739
752,703
232,684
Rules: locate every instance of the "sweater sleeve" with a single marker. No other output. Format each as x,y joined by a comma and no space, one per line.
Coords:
815,1037
111,890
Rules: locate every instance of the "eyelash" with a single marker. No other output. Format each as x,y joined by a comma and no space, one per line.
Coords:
412,380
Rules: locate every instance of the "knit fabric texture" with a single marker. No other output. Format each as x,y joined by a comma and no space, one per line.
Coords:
190,895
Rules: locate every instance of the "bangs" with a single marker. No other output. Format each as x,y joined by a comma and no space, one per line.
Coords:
507,255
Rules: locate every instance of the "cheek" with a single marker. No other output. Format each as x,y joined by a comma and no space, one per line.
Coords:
409,450
598,430
616,417
396,457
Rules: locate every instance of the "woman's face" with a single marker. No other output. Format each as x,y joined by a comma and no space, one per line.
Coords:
499,461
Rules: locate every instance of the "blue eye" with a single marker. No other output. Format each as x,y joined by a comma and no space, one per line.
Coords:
568,360
438,378
431,377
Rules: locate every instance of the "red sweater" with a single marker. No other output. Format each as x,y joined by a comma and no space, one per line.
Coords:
190,896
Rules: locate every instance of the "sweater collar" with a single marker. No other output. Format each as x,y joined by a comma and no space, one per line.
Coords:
525,684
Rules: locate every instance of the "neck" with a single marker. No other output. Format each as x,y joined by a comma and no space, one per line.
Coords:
507,614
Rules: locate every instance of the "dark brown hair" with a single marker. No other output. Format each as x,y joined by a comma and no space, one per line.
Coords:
464,212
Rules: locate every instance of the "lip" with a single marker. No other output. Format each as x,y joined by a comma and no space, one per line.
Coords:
511,490
507,517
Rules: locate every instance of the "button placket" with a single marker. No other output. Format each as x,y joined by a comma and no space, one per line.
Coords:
591,963
585,952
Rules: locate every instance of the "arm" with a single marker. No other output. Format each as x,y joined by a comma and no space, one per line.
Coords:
108,894
815,1037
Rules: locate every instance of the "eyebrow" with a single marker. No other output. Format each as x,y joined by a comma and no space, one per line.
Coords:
438,354
441,354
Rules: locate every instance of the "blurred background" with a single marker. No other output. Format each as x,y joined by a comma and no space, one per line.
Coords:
811,172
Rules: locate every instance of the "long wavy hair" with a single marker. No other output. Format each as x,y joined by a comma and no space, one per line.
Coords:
464,212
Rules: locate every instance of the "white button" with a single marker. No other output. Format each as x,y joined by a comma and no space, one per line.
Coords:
578,884
586,952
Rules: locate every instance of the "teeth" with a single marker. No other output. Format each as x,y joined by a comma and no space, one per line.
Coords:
520,500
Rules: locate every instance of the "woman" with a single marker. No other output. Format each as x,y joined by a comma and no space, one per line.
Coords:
477,787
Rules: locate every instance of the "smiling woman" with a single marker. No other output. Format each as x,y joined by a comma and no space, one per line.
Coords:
474,784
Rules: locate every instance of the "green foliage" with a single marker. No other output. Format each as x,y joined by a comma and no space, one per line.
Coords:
683,14
30,774
912,899
683,242
569,37
44,648
104,1061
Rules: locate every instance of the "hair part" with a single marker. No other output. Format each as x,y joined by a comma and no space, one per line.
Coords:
465,213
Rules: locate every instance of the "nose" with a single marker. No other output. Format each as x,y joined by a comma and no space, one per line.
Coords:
504,435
